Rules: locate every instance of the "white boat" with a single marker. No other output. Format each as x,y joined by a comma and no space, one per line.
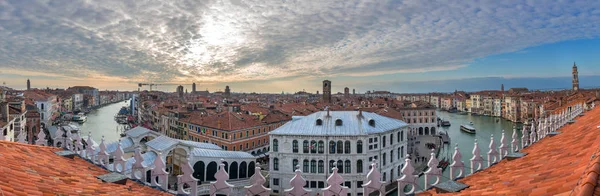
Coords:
467,128
80,117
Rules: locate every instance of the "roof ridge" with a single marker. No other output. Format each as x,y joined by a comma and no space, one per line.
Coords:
579,187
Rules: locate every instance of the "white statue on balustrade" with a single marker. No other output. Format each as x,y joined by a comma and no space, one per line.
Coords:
334,187
119,161
374,183
221,186
89,148
187,178
433,171
477,159
524,140
58,140
159,174
492,155
457,164
297,183
408,178
102,155
503,146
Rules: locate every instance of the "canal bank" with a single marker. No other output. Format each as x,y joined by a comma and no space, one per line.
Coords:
486,126
100,122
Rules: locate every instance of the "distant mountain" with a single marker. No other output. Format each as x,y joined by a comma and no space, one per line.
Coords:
493,83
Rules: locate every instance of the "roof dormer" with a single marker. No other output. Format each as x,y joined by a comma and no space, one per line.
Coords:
371,122
319,122
338,122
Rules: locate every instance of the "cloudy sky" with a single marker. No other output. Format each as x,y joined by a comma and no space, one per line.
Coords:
290,45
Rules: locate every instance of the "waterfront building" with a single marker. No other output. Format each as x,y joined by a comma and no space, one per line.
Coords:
93,98
435,101
348,140
468,104
476,103
513,108
497,110
379,94
47,105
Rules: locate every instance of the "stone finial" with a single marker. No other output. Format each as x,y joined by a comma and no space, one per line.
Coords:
187,178
160,176
119,161
524,140
492,155
58,139
102,155
408,178
433,170
374,182
42,141
257,187
138,166
334,187
78,145
531,137
89,148
457,164
221,185
297,183
22,137
503,146
477,159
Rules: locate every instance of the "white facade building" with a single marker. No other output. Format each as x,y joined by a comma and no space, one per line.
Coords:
348,140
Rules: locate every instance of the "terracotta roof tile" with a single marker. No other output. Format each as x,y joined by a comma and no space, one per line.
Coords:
36,170
551,167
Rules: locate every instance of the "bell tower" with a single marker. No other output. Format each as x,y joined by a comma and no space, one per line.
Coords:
575,78
326,91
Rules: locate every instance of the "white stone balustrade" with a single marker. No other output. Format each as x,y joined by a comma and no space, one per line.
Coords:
22,137
457,164
477,159
297,183
58,140
78,145
89,149
118,160
334,187
257,187
102,155
138,169
524,140
159,174
41,141
503,146
433,171
532,135
220,186
374,182
492,155
187,178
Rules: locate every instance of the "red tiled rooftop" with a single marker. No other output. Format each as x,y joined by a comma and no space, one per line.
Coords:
36,170
554,165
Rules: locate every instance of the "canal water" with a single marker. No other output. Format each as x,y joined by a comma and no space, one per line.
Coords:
101,122
485,126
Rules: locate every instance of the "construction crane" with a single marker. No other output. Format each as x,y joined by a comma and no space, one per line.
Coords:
152,84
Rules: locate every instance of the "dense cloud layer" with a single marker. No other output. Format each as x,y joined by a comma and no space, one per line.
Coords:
249,40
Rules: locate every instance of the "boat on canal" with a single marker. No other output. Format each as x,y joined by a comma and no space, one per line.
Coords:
445,123
81,118
467,128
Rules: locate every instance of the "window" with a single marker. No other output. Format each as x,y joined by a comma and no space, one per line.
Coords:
383,142
321,167
348,166
347,184
370,140
402,151
401,135
321,147
305,165
313,146
275,145
340,166
392,156
338,122
294,164
340,147
275,181
347,147
359,166
319,122
372,123
295,146
313,166
359,147
384,176
313,184
331,147
305,146
375,139
398,137
391,139
399,157
247,144
321,184
276,164
359,184
331,164
384,155
370,147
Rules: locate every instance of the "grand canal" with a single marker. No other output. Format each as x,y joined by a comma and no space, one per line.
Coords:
486,127
100,122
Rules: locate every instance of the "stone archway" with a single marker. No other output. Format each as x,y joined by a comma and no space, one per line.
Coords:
199,168
426,130
420,130
433,131
211,170
233,174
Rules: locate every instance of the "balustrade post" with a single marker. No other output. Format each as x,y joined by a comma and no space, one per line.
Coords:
408,178
492,155
257,187
477,159
297,183
433,170
187,178
334,187
102,155
457,164
221,185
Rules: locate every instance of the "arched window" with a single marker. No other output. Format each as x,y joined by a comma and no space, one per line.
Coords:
295,146
359,166
211,170
420,130
347,147
402,151
319,122
340,166
359,147
399,170
233,174
347,166
276,164
321,167
384,176
305,166
251,166
294,164
313,146
426,130
383,142
338,122
199,170
331,164
384,157
392,156
331,147
391,139
372,123
401,135
275,145
305,146
399,157
340,147
432,130
313,166
321,147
